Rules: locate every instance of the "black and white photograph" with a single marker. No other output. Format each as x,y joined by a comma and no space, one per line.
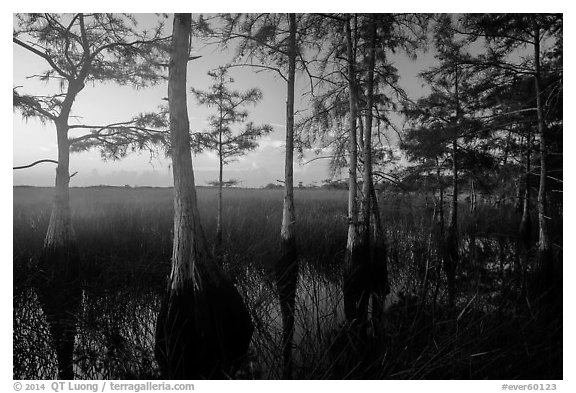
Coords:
287,196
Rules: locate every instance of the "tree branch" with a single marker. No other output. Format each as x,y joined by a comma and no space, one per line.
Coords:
261,66
35,163
42,55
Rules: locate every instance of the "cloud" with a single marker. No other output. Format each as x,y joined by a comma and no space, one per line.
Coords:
270,144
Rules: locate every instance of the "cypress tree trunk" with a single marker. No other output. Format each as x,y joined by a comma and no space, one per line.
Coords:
439,235
426,191
472,196
525,230
286,269
218,245
355,287
544,251
519,201
219,218
451,260
367,174
60,232
360,132
352,149
441,192
203,328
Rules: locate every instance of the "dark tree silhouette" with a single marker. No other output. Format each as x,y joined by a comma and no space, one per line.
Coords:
505,34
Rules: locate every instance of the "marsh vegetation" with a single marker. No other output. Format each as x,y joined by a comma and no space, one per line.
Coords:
494,331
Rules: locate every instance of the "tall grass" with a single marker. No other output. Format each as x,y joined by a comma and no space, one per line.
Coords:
125,238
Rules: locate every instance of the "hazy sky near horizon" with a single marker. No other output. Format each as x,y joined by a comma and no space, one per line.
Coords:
106,103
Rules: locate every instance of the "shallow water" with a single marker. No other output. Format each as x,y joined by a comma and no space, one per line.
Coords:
115,332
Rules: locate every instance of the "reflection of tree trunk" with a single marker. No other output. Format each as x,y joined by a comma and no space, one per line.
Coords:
286,280
203,328
286,269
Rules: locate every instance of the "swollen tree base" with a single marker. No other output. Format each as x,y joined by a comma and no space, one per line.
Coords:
547,276
356,287
525,231
59,292
379,284
202,332
378,276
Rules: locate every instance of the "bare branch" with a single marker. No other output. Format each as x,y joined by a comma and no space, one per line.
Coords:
35,163
319,158
263,67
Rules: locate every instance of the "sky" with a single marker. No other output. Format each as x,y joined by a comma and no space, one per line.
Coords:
107,103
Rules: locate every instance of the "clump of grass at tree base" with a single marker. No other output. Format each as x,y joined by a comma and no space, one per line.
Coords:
125,238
